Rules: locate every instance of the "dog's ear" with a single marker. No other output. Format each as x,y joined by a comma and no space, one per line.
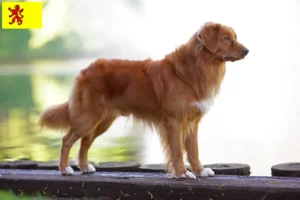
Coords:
208,35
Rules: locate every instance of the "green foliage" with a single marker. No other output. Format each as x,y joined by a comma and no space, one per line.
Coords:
14,45
16,91
8,195
68,46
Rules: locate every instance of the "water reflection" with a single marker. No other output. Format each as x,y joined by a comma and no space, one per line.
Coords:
25,93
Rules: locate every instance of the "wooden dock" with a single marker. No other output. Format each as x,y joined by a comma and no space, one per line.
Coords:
144,186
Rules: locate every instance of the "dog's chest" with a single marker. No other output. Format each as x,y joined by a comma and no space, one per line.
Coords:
205,104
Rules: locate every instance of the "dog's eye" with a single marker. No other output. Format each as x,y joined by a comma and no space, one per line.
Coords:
227,38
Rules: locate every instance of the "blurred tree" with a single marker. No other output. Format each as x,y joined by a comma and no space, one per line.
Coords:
16,91
63,34
59,47
14,45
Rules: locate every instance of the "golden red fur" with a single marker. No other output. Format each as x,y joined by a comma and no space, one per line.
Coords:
171,94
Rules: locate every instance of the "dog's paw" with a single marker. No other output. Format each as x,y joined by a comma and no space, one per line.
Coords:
207,172
187,174
90,169
68,171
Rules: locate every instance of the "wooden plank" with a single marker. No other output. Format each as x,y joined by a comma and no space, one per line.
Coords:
129,185
218,168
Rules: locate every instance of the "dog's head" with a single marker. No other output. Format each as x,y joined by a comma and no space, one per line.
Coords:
222,41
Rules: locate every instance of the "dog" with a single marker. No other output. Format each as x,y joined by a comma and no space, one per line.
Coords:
171,95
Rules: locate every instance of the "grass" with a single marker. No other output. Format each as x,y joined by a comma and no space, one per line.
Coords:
8,195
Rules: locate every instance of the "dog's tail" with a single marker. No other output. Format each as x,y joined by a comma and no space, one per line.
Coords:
56,117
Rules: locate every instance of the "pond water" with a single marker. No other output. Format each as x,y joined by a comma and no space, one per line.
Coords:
25,90
254,120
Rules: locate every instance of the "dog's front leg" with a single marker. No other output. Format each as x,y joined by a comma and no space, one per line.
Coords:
172,139
191,146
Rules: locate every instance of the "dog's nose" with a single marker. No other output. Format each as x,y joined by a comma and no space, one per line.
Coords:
246,51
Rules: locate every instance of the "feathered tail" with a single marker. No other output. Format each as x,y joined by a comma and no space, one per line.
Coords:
56,117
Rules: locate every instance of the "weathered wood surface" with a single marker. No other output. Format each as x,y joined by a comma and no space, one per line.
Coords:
218,168
143,186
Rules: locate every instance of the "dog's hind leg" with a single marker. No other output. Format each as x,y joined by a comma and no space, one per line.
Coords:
76,132
87,141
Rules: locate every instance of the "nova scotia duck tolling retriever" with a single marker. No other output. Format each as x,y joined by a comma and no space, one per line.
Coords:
171,95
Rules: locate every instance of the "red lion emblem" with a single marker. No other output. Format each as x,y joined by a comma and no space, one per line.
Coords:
15,14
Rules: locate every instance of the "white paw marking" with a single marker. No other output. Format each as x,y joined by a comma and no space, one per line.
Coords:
207,172
187,174
90,169
205,104
68,171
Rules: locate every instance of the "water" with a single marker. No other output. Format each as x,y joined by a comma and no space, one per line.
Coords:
25,90
255,119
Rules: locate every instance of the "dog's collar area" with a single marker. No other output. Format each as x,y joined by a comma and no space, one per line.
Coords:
199,40
198,37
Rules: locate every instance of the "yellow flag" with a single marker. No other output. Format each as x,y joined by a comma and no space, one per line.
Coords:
21,15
